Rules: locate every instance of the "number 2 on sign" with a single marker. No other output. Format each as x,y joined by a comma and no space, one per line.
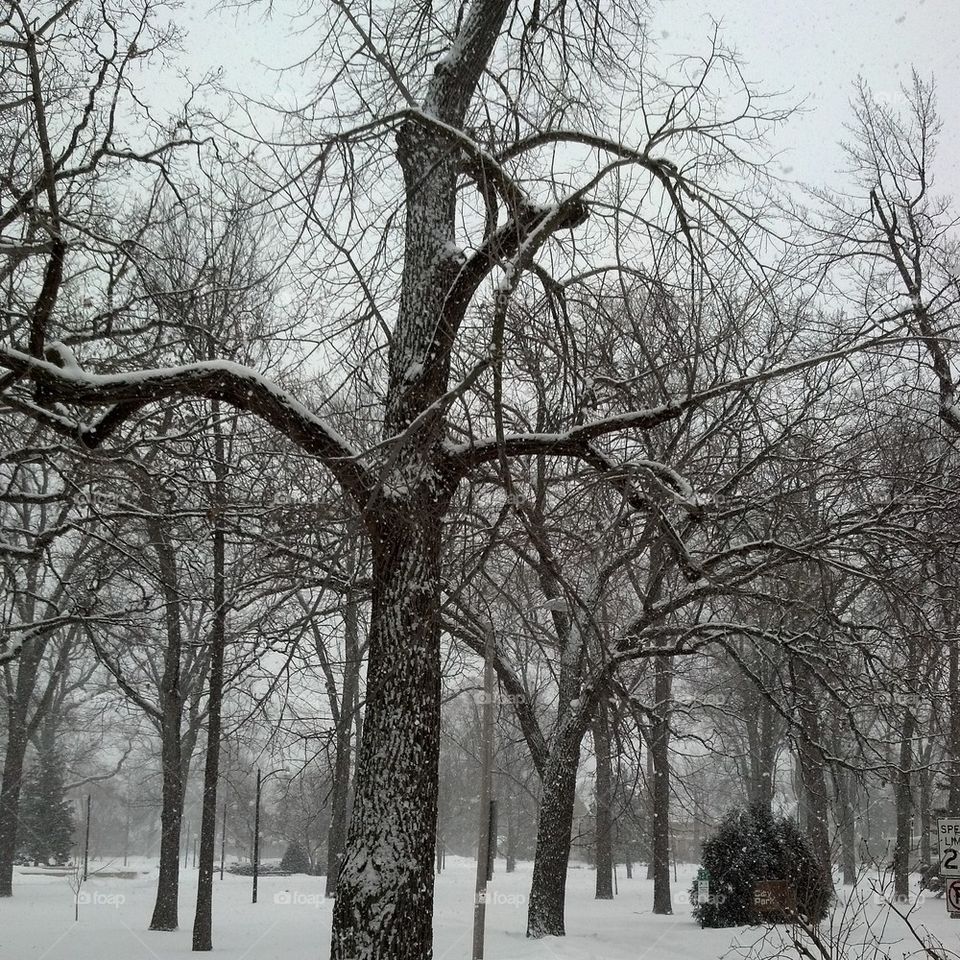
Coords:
950,860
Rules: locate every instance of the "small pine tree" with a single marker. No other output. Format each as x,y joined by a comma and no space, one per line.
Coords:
45,828
295,859
752,846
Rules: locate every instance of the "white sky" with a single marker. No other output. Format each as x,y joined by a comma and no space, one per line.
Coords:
812,50
815,49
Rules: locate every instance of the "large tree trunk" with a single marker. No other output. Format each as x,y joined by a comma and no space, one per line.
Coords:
904,808
761,727
846,824
554,826
384,904
660,751
604,826
165,914
17,737
812,768
10,804
171,749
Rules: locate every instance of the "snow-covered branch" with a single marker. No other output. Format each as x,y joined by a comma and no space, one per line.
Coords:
125,394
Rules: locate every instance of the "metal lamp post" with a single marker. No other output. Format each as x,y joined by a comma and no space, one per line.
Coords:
261,779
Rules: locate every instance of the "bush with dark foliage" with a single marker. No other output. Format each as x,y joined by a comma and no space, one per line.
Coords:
752,846
296,859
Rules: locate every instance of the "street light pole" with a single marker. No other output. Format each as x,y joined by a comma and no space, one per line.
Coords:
261,780
223,838
256,838
486,795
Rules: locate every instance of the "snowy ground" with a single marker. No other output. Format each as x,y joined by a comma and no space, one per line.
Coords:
292,921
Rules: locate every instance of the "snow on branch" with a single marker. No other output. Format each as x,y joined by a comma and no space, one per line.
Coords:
465,456
570,442
124,394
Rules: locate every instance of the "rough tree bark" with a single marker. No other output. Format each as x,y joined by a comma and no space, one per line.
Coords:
165,911
10,795
604,798
903,802
554,825
660,752
812,765
384,900
761,733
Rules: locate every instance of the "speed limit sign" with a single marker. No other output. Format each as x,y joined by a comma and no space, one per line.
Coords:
948,835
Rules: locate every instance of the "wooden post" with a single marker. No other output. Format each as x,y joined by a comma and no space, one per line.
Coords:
486,795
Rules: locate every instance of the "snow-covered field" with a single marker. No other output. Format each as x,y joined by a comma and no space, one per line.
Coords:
292,921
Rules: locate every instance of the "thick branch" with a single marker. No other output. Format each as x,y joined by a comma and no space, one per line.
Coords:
231,383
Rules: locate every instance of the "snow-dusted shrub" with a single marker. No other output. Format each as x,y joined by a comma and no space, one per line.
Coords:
751,846
295,859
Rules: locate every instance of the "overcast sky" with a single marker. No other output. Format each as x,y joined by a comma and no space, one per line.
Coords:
812,50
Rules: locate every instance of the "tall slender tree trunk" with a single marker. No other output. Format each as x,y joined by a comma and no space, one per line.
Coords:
925,813
650,804
604,825
510,804
203,919
384,904
545,912
953,743
660,751
337,832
